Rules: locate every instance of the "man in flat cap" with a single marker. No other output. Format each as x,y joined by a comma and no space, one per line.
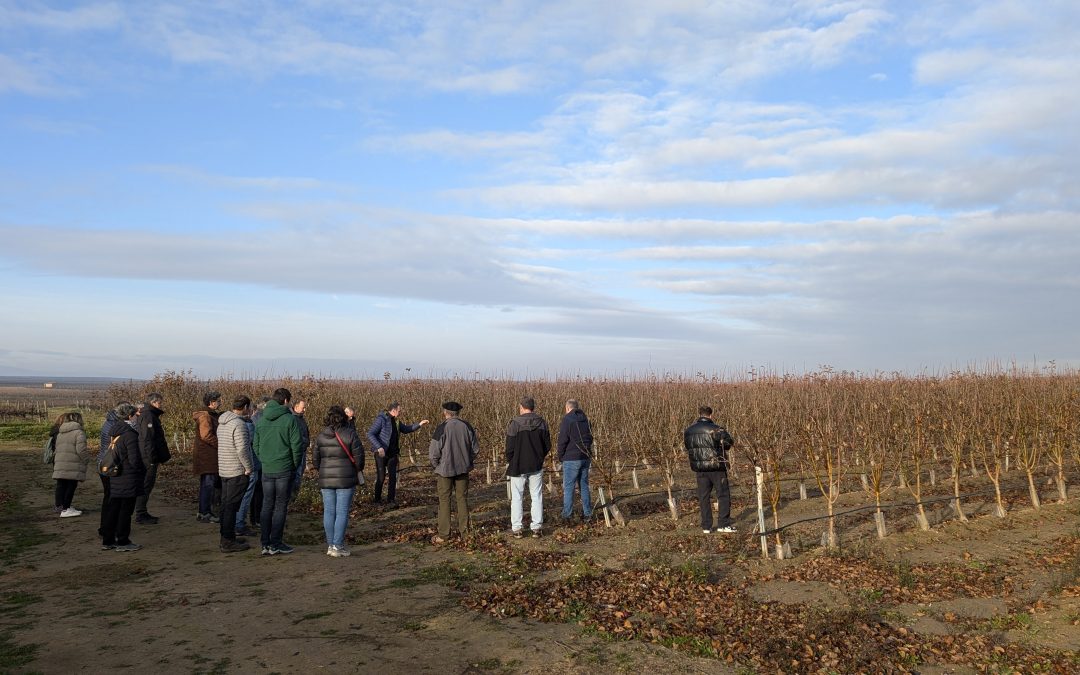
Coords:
453,450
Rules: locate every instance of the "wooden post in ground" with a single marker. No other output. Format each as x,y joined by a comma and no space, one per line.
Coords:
760,481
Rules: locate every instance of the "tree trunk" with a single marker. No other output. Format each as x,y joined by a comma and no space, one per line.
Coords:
1033,492
634,475
920,517
956,493
830,535
999,505
1063,492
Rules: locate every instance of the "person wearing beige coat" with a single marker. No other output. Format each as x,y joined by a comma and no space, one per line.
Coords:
71,461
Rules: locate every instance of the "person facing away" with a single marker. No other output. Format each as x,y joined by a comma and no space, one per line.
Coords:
338,456
125,487
251,501
575,454
528,442
278,446
235,466
384,437
154,449
107,427
707,444
452,451
70,463
205,457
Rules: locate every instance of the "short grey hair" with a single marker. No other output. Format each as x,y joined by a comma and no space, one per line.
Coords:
573,404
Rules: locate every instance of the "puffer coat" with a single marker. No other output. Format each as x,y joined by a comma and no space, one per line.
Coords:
72,455
132,470
336,471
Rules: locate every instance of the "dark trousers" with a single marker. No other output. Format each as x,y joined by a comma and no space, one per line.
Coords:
255,509
148,487
116,521
459,486
209,493
232,492
275,506
706,482
104,502
65,492
386,468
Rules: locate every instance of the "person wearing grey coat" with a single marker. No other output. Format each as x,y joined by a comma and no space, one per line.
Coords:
453,449
72,459
234,467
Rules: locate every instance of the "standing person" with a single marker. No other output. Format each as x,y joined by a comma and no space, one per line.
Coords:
305,439
707,444
205,457
69,465
278,446
575,453
107,427
126,487
384,436
248,502
528,442
154,450
452,451
234,468
338,456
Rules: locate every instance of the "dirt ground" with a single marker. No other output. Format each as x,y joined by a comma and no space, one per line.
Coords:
991,594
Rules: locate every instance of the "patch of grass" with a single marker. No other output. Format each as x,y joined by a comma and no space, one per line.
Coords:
697,646
496,665
12,605
26,431
13,655
1021,621
19,528
414,625
905,577
874,595
453,575
311,616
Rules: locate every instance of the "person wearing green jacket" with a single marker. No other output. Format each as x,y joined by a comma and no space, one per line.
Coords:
279,447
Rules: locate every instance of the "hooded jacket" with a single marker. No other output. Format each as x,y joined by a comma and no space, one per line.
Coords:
277,441
336,470
707,444
132,470
575,437
453,447
204,457
106,433
72,455
233,446
528,442
152,444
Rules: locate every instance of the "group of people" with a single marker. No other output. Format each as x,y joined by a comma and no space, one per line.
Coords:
250,460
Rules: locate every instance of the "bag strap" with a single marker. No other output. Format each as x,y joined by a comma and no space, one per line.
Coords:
112,442
345,448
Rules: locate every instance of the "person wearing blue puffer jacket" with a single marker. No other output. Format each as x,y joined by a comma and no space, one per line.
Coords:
383,437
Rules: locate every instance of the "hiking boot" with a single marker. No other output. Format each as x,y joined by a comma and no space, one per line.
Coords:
70,513
146,519
391,505
244,532
127,548
232,546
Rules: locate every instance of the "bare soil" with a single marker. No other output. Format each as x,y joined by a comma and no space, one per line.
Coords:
655,596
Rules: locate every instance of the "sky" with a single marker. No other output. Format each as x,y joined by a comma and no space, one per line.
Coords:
537,189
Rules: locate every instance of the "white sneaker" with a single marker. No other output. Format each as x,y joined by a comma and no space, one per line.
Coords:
70,513
706,531
727,529
343,552
331,551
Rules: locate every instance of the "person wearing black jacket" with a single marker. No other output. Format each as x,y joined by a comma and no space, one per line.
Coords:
338,456
154,450
125,487
528,442
707,444
575,453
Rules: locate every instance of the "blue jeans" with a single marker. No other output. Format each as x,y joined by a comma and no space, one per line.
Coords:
275,503
335,513
576,471
207,483
295,487
517,489
245,503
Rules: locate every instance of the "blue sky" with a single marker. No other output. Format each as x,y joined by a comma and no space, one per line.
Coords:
537,188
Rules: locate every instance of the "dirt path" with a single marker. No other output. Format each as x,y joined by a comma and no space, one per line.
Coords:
179,605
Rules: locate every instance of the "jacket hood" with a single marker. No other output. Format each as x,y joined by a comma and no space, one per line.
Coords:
204,411
227,417
111,416
529,421
69,426
158,412
275,410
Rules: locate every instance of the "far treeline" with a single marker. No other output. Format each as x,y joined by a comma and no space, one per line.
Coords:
823,428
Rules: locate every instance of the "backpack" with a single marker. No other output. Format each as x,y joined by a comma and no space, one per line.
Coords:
109,465
49,455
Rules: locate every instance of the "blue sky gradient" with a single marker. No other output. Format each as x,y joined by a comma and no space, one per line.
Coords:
537,188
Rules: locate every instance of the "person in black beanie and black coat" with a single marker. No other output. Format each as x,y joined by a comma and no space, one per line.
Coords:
126,487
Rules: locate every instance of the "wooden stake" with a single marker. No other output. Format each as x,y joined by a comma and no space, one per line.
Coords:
603,506
760,481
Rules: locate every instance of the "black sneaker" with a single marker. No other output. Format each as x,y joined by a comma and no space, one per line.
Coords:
203,518
518,534
281,549
536,534
108,547
146,519
233,546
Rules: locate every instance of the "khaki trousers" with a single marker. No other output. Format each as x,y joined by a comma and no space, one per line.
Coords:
458,485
